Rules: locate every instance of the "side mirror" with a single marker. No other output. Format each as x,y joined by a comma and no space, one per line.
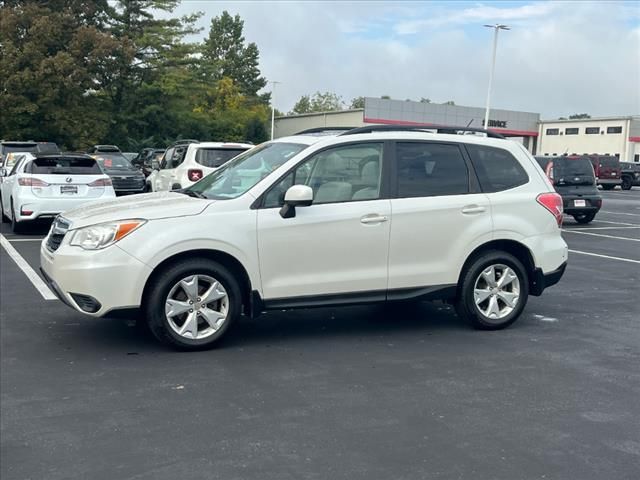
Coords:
296,196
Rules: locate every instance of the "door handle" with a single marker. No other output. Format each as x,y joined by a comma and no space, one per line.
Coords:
373,218
473,209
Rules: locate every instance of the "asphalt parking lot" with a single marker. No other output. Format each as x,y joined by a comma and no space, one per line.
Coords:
357,393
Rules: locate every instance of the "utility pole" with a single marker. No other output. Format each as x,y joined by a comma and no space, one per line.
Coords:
273,106
495,27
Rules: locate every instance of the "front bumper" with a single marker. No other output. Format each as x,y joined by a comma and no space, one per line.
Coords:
609,181
540,280
111,277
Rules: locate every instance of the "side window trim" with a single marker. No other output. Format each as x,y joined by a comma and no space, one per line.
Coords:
385,185
473,184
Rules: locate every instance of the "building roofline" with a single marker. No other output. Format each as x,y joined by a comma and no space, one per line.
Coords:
315,114
592,119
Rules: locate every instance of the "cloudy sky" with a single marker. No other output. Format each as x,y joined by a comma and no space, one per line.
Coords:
559,58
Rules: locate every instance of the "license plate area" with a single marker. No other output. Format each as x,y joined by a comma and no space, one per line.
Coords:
579,203
68,189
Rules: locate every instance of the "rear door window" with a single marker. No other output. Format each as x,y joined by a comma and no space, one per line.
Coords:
53,166
216,157
497,169
166,161
430,169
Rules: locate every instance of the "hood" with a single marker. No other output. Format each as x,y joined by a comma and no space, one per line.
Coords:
149,206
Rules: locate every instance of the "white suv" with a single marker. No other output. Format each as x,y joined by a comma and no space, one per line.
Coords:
189,161
374,214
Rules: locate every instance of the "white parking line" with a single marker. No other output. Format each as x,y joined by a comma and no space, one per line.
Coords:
618,223
603,228
601,235
621,213
30,273
605,256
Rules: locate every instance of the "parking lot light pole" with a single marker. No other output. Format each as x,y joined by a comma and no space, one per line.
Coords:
496,27
273,107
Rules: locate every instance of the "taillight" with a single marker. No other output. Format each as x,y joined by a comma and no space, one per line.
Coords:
31,182
194,175
553,203
101,182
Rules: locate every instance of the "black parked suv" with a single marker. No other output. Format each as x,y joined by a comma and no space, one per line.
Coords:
125,177
575,180
630,173
7,147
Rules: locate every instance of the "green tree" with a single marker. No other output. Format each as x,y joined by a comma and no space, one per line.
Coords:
385,97
449,102
226,54
579,116
357,102
318,102
425,100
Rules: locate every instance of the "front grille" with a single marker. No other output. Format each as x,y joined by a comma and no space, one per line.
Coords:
127,183
57,233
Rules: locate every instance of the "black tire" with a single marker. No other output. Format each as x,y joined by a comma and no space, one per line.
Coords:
626,183
147,188
16,227
5,219
608,187
154,301
584,217
465,302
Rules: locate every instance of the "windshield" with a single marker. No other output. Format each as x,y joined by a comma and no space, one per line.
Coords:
566,167
246,170
112,160
216,157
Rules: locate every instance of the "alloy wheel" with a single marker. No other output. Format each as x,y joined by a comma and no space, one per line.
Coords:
197,307
496,291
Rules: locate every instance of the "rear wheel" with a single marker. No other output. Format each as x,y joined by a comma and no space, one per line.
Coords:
5,219
584,217
192,304
16,227
626,183
608,187
493,291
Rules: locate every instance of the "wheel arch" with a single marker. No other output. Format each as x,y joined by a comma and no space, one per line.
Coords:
515,248
224,258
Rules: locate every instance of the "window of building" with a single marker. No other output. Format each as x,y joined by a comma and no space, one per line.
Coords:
592,130
430,169
636,157
553,131
571,131
614,129
496,168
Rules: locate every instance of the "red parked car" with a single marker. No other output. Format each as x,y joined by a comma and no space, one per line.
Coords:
608,170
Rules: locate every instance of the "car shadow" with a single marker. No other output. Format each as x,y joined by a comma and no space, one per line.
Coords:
281,327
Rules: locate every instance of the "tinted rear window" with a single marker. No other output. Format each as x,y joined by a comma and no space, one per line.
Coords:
19,147
609,162
496,168
572,167
216,157
54,166
48,147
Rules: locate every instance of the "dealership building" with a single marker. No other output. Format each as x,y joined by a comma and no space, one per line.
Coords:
619,136
539,137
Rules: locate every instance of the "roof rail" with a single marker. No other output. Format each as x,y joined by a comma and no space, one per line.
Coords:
327,130
412,128
185,141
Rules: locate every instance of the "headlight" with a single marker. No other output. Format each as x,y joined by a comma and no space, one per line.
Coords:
102,235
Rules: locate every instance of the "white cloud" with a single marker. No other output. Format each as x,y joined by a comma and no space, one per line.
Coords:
560,58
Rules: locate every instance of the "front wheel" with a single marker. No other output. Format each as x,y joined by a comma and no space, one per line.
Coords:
584,217
493,291
192,304
626,183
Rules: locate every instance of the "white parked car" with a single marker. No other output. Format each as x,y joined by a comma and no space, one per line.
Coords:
188,161
46,185
371,215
